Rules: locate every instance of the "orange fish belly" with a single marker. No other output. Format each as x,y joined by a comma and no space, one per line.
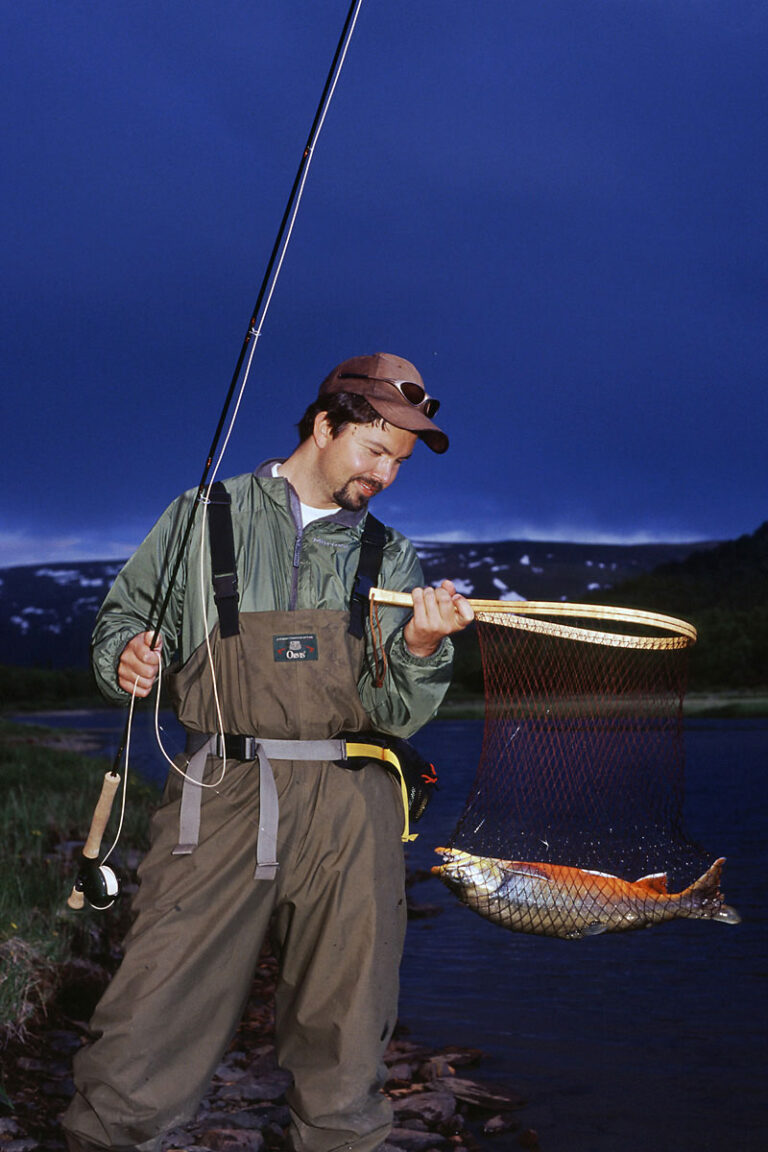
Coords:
570,903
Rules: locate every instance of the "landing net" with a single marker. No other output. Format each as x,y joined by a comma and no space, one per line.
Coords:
582,761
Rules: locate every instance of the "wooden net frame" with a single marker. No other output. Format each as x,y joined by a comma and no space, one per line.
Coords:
516,613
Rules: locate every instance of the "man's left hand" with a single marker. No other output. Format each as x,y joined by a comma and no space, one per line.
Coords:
437,612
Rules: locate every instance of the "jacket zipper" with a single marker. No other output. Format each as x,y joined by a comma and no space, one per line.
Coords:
295,573
295,506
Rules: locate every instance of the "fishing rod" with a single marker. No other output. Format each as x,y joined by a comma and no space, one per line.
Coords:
263,300
92,880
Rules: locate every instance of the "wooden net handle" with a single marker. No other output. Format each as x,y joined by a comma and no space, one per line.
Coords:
512,613
101,815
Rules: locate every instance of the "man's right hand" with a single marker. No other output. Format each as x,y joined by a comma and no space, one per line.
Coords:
139,659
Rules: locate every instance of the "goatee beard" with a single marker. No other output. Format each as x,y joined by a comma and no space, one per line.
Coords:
351,500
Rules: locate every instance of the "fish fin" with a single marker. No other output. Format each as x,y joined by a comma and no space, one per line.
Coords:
595,929
655,882
707,897
707,887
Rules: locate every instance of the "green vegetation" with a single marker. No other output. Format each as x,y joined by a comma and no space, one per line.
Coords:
727,705
724,593
49,793
37,689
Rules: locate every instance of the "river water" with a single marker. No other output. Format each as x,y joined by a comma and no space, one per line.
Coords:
650,1041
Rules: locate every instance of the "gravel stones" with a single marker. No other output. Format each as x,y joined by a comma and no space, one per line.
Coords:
437,1107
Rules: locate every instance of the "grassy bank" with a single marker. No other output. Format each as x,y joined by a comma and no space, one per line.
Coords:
37,689
729,704
49,790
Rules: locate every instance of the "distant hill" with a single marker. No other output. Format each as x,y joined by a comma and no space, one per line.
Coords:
723,591
47,610
544,570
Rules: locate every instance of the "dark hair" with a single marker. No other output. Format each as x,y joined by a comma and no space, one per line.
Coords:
341,408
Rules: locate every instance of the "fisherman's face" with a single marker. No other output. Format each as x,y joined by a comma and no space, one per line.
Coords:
361,461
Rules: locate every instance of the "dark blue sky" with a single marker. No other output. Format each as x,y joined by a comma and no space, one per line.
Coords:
556,209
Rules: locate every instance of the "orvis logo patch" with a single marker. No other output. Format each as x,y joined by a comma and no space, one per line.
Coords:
289,648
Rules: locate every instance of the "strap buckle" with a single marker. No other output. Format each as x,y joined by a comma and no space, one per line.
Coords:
225,585
236,747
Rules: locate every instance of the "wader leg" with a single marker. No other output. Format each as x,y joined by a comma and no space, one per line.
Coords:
341,925
170,1010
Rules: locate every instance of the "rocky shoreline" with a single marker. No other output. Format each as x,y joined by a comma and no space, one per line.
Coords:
436,1105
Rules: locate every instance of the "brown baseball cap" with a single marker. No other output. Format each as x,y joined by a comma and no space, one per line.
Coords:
395,389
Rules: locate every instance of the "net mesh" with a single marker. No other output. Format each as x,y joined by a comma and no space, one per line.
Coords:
581,772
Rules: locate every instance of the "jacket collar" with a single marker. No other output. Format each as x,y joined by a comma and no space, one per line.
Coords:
343,516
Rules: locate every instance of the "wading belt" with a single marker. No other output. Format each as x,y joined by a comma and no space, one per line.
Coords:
224,568
363,749
245,748
347,753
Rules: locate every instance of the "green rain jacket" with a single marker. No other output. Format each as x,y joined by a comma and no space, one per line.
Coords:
280,567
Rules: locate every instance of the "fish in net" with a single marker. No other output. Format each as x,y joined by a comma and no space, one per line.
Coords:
574,823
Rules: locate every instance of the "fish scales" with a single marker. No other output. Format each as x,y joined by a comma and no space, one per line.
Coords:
570,903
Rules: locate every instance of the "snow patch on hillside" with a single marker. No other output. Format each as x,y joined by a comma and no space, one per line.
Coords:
66,576
463,587
505,592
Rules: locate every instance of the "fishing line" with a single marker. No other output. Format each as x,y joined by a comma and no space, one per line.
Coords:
297,198
266,292
255,332
162,748
241,373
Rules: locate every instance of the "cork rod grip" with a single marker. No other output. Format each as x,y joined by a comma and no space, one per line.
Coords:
99,822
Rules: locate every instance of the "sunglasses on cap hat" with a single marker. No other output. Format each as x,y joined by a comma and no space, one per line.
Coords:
414,393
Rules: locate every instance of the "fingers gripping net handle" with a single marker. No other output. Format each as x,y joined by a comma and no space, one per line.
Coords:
523,614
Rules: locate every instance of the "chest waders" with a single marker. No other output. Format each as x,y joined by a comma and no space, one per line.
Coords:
335,908
288,688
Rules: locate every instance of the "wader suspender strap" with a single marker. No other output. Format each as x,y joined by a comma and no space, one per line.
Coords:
223,567
371,552
266,843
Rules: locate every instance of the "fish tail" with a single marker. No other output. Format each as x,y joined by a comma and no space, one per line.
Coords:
705,899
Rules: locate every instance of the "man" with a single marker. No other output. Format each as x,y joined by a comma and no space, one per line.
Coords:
269,827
